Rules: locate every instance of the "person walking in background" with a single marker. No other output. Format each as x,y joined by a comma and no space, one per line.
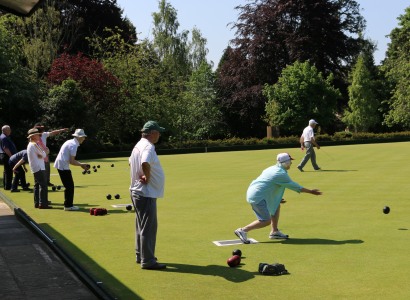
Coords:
43,144
18,165
8,148
308,142
65,158
147,184
265,194
36,161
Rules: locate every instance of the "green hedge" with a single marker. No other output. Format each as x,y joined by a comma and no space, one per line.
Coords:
237,144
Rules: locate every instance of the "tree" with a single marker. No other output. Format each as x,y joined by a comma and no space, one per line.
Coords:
100,89
201,118
396,67
170,45
301,93
271,34
363,104
83,18
19,88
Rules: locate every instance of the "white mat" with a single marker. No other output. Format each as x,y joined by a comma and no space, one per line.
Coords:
233,242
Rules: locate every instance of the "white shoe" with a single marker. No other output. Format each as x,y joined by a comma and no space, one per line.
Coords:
278,235
242,235
72,208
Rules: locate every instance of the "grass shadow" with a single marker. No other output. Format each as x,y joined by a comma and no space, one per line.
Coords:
102,274
315,241
322,170
231,274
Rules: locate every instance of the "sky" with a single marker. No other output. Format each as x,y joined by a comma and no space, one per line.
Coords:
212,18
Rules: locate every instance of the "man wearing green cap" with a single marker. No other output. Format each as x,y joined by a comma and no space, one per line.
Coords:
147,184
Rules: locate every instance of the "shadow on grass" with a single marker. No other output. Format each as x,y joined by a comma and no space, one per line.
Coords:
230,274
322,170
315,241
109,283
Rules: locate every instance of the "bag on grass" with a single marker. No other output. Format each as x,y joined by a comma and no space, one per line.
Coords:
272,269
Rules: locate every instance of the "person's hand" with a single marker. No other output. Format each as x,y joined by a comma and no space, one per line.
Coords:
85,166
47,151
143,179
302,148
316,192
15,171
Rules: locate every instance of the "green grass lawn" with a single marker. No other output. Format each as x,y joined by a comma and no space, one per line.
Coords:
342,246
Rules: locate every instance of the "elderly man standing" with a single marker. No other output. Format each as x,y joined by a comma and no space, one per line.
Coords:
36,161
147,184
64,159
307,141
8,149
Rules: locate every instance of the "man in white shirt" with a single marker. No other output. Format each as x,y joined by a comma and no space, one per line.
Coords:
308,142
64,159
36,156
147,184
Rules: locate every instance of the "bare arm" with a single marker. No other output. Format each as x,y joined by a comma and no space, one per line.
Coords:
146,168
75,162
20,162
313,192
55,132
313,141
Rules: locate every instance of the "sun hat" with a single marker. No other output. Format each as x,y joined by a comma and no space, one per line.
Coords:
79,133
33,131
152,125
282,157
311,122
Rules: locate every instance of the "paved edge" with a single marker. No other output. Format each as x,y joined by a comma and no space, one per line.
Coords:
85,277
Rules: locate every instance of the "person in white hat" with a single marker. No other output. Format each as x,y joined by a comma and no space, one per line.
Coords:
265,194
36,156
65,158
308,142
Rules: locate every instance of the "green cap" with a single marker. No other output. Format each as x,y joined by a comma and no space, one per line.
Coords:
152,125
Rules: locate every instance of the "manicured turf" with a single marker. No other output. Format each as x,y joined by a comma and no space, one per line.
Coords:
342,246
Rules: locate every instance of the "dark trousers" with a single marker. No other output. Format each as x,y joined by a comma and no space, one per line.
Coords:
7,173
146,224
40,188
68,182
19,176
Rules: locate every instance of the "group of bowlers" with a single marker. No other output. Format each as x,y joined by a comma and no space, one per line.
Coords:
264,194
37,156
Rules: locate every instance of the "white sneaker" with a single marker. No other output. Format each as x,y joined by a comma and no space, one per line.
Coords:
242,235
72,208
278,235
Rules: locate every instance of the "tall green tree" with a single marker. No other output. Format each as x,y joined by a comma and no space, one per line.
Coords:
170,44
362,113
19,88
300,94
271,34
396,67
201,118
83,18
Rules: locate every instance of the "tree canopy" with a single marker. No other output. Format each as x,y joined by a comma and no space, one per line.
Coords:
271,34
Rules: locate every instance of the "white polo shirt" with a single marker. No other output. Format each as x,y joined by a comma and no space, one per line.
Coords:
308,134
144,151
36,157
68,149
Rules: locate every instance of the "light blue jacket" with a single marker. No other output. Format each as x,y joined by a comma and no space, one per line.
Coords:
270,186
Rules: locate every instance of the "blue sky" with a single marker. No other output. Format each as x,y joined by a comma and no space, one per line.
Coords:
212,18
